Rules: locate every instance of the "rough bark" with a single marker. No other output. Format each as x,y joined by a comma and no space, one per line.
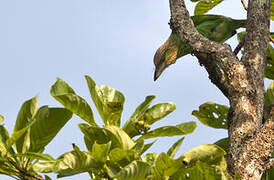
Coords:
241,81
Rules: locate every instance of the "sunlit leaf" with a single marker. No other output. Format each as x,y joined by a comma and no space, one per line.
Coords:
213,115
119,137
240,35
269,95
147,146
74,162
4,136
94,134
24,118
64,94
201,170
180,129
108,101
45,166
175,147
137,170
272,10
204,6
150,158
158,112
1,118
114,134
223,143
136,123
37,156
16,135
165,166
139,146
100,151
209,153
122,157
47,123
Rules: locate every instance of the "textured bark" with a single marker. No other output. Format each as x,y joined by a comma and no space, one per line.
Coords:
241,81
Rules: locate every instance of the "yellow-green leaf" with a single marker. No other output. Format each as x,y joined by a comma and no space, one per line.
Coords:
209,153
64,94
269,95
180,129
24,118
108,101
213,115
204,6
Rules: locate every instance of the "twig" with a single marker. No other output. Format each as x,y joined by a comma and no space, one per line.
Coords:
23,172
244,4
271,39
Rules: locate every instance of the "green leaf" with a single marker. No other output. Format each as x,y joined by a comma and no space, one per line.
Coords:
240,36
94,134
108,101
269,66
147,146
175,147
137,170
119,137
1,118
269,95
158,112
64,94
209,153
114,134
139,146
47,177
100,151
150,158
223,143
24,118
4,136
45,166
74,162
136,124
37,156
122,157
201,170
213,115
165,166
141,109
47,123
204,6
16,136
272,10
180,129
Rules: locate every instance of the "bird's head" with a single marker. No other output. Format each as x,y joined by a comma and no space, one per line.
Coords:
165,56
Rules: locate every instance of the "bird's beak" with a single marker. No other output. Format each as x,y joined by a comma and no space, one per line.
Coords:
159,68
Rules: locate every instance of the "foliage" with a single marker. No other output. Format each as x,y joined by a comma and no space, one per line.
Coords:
33,130
116,151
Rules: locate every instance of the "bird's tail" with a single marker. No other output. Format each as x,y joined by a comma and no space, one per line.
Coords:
239,23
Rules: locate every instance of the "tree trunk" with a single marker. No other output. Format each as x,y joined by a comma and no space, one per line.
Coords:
242,82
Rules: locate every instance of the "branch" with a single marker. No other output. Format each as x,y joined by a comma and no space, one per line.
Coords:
242,82
218,59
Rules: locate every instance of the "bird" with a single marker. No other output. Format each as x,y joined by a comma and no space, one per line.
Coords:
217,28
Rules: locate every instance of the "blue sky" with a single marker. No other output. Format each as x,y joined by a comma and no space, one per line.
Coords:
112,41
